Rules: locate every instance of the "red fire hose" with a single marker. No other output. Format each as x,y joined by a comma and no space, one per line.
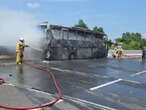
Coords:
42,106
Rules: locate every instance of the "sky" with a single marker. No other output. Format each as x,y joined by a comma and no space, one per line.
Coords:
115,16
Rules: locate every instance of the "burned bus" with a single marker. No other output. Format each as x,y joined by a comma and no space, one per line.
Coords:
65,43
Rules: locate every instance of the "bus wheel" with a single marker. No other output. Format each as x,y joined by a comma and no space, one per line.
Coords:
71,56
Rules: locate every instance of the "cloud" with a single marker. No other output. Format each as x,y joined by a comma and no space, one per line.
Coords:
33,5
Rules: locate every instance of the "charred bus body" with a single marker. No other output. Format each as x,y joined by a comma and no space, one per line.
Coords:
63,43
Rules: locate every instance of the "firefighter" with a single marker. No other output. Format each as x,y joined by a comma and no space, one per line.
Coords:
119,52
114,53
144,52
19,50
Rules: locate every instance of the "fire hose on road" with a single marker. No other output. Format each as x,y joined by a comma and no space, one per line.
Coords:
2,81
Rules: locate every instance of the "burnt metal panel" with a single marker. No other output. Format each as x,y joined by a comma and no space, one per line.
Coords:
73,43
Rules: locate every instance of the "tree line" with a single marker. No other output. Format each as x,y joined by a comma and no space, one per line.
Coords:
130,41
81,24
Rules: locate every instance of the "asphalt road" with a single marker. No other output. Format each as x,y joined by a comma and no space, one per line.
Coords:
117,84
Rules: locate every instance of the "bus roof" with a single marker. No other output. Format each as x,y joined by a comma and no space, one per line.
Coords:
75,29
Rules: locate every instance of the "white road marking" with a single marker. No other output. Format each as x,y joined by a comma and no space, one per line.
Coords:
44,61
69,71
88,102
106,84
38,91
7,64
38,109
131,81
71,98
78,72
59,101
83,73
65,70
58,69
53,101
138,73
9,84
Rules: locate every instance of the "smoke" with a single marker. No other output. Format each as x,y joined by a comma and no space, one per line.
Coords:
16,24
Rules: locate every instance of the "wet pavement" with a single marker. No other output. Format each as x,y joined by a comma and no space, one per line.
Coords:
117,84
15,96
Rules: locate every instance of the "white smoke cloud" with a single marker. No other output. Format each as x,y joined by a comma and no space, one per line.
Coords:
16,24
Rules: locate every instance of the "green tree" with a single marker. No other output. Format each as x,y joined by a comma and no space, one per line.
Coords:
143,43
100,29
81,24
96,29
118,40
131,40
109,42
